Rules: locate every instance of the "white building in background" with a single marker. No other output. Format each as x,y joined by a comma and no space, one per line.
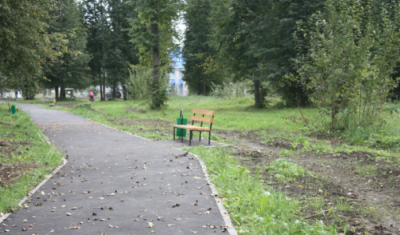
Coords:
175,77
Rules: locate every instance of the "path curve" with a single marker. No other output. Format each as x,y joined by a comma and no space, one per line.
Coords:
115,183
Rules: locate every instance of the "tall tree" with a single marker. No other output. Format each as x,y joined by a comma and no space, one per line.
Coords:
24,42
242,39
96,21
198,50
257,42
155,21
121,51
279,64
351,60
70,68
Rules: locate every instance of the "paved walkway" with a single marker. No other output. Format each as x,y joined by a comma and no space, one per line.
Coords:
115,183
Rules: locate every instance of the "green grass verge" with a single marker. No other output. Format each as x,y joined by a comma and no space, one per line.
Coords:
254,208
27,154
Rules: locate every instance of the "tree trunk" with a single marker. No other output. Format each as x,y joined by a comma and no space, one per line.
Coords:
205,86
56,92
62,90
113,92
104,85
155,99
99,71
300,97
257,97
125,92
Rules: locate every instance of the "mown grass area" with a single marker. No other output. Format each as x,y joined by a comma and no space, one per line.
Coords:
26,157
233,114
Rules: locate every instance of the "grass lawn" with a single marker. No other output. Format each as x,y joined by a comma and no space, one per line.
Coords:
25,157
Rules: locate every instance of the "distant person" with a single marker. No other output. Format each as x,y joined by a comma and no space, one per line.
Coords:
16,94
91,96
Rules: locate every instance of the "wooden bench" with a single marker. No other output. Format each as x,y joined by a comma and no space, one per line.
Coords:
200,128
52,103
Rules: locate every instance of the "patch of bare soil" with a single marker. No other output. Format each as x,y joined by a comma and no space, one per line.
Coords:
8,147
162,128
354,188
68,105
9,173
4,123
135,110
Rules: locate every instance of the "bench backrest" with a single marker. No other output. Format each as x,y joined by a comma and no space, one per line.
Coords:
202,118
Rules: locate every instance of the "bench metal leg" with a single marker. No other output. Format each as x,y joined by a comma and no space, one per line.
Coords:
209,137
174,133
200,136
190,137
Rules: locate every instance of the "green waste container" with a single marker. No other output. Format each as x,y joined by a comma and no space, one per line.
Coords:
13,109
181,132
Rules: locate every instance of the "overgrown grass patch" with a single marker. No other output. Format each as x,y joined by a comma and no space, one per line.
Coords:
26,157
254,208
284,169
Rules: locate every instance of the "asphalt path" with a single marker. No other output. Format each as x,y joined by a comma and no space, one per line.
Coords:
115,183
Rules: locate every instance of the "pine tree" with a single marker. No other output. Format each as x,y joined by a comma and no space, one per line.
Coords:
197,51
243,40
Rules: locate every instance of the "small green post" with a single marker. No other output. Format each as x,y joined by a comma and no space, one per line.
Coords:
13,109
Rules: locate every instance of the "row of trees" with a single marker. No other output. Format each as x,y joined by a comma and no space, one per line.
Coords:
291,46
63,43
297,47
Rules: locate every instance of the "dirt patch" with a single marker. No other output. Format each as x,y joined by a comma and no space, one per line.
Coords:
10,173
352,188
5,124
8,147
67,105
135,110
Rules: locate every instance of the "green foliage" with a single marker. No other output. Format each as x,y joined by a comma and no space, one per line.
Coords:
197,50
121,51
139,83
23,40
96,22
256,42
231,89
152,31
350,62
253,208
284,169
70,68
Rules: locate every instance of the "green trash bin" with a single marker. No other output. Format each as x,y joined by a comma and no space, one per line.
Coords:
181,132
13,109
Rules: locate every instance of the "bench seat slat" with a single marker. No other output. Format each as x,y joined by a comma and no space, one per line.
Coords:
203,112
201,119
193,128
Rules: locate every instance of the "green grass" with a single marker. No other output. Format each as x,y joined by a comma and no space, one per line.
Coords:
254,208
36,156
233,114
284,169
